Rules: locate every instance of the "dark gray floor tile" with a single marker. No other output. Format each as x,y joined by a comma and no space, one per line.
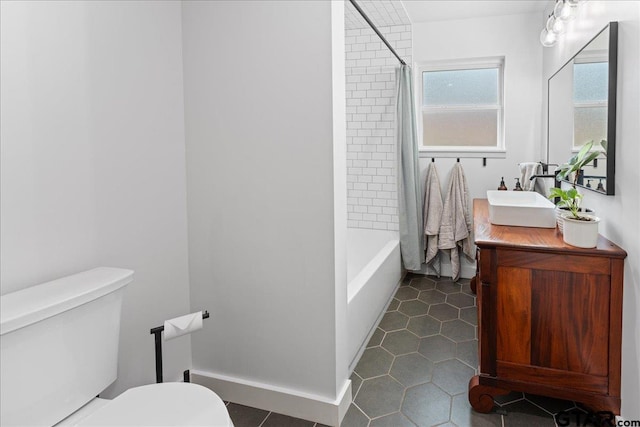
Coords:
356,382
393,305
376,338
279,420
452,376
437,348
457,330
423,284
549,404
463,415
448,287
466,289
400,342
413,308
426,405
460,300
467,351
245,416
406,293
423,326
406,280
506,399
374,362
443,311
411,369
393,420
526,414
354,418
432,297
469,315
379,396
393,321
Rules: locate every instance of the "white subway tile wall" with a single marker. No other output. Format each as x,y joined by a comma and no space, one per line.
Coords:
372,197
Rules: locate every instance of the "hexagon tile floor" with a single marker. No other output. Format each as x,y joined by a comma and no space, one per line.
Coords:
418,362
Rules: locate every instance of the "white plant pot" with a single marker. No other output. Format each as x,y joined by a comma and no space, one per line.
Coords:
582,234
560,211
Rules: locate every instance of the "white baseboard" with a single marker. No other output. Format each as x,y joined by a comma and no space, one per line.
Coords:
467,268
277,399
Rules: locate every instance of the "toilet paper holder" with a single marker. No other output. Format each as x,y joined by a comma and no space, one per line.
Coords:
157,331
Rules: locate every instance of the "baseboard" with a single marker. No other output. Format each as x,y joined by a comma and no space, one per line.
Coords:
277,399
467,268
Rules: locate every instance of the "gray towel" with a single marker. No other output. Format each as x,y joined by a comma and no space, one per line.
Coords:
432,216
455,229
527,170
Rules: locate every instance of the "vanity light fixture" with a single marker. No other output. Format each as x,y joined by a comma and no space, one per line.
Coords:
564,10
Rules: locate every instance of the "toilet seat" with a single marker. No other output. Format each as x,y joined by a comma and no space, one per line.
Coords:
165,404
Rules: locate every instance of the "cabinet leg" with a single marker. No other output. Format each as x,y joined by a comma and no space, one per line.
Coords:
481,396
473,284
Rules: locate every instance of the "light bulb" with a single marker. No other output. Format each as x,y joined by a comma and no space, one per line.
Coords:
555,25
548,38
563,11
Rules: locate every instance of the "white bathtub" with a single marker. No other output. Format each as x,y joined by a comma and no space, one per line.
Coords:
373,272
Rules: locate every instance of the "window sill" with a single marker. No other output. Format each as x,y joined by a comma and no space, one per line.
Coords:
470,152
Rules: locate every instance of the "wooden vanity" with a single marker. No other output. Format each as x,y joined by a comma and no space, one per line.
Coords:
549,316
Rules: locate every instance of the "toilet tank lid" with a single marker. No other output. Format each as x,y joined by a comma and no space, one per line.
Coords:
27,306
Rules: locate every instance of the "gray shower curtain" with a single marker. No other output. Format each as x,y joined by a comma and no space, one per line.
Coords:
409,188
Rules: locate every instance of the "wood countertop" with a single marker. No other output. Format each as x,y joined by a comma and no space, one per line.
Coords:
531,238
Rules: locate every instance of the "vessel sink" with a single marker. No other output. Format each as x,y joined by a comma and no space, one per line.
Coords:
521,209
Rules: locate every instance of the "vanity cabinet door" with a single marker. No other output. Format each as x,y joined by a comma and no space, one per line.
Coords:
552,319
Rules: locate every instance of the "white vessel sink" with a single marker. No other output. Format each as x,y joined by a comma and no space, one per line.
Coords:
521,209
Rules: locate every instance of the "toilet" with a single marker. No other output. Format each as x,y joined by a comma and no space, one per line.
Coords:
59,350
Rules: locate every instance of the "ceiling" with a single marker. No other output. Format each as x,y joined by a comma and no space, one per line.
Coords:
386,13
444,10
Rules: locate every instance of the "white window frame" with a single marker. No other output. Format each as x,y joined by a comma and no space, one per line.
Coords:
493,151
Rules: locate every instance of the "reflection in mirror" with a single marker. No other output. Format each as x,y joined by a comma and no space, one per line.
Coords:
582,109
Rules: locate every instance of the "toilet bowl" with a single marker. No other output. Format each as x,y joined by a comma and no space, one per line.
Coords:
59,349
166,404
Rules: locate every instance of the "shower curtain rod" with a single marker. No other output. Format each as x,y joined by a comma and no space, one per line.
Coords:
366,18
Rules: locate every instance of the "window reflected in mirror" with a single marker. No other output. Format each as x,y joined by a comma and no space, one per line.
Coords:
582,109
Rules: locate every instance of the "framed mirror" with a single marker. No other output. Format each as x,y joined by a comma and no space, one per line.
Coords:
582,108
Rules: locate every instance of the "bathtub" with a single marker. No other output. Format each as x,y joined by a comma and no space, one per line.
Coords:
373,273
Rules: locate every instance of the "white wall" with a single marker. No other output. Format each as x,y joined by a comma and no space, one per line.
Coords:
619,213
260,153
93,164
516,39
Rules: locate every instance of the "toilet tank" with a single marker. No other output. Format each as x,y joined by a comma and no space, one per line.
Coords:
59,345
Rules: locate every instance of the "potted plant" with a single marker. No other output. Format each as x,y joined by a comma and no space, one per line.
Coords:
579,229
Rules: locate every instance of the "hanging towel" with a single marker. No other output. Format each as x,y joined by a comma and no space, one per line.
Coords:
527,170
432,216
455,228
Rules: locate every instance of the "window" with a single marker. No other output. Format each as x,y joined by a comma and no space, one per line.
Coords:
590,96
461,106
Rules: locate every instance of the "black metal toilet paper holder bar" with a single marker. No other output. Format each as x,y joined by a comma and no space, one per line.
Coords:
157,331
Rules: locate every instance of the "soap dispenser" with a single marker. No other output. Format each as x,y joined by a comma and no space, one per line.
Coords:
502,187
518,186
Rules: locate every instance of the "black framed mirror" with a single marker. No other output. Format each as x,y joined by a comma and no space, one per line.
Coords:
582,108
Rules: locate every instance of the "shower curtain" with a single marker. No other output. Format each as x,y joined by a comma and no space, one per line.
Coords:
409,188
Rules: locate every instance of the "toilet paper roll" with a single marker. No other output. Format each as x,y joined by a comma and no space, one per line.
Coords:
182,325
